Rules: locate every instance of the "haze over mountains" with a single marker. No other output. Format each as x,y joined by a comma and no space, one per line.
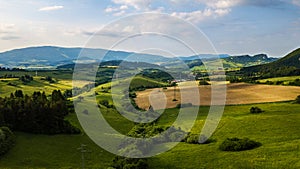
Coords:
50,56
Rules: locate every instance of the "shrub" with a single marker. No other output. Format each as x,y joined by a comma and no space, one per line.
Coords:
279,82
132,95
298,99
236,144
203,82
106,104
255,110
7,140
129,163
194,139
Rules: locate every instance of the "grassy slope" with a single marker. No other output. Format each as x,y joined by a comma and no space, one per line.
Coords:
35,85
286,80
53,73
277,129
147,82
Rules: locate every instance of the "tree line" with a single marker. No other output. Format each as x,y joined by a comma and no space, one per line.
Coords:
36,113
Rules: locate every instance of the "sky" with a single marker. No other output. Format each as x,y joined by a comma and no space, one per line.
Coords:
233,27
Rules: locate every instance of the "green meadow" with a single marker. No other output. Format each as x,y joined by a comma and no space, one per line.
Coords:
277,128
285,80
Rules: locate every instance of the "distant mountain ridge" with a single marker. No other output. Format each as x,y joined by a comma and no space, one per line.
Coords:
52,56
263,58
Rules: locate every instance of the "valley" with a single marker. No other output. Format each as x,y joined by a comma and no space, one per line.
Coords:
133,84
275,127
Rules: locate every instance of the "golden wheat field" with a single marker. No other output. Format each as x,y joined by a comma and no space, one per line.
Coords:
236,93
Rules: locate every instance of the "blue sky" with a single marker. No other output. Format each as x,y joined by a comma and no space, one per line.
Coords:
233,26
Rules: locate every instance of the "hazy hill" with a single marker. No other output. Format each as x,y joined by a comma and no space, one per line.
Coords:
53,56
246,59
50,56
124,64
203,56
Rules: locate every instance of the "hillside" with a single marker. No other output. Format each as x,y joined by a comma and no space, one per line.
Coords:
286,66
292,59
196,62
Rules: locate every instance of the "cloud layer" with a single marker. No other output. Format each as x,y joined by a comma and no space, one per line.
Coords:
206,8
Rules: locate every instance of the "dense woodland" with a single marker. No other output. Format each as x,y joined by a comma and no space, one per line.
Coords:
36,113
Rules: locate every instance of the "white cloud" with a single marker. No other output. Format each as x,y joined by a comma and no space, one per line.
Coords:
221,12
195,16
212,8
117,11
221,4
51,8
137,4
123,7
109,9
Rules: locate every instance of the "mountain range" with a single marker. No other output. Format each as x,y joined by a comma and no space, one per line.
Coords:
51,56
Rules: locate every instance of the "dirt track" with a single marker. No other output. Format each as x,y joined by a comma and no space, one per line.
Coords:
237,93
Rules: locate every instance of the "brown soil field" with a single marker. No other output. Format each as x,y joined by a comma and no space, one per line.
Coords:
236,93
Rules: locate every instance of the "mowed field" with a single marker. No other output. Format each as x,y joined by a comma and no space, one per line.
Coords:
236,93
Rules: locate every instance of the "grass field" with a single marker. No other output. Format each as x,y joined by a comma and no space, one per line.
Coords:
277,129
237,93
285,80
59,74
10,85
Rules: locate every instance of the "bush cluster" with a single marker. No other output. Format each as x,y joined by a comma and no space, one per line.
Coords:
298,99
129,163
26,78
236,144
194,139
203,82
255,110
106,104
7,140
137,148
